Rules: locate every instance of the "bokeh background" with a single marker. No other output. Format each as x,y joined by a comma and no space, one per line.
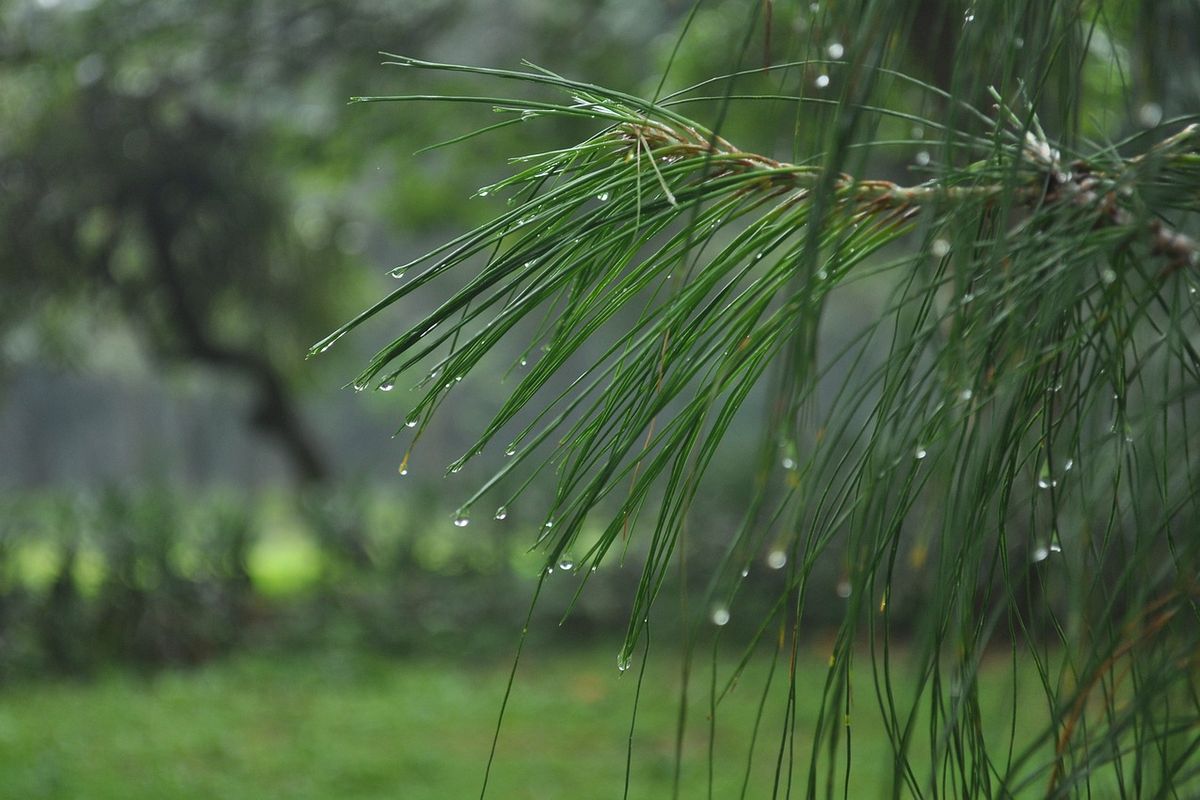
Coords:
214,582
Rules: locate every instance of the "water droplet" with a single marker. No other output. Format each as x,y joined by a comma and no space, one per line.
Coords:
510,451
623,661
843,588
1046,483
720,616
776,559
483,192
745,571
822,274
566,564
922,158
523,361
918,132
387,385
602,197
410,423
788,463
1019,42
836,50
1040,553
457,468
758,256
1150,114
549,524
1068,465
822,81
940,248
501,513
965,395
1108,277
404,470
968,298
398,274
461,520
969,16
921,453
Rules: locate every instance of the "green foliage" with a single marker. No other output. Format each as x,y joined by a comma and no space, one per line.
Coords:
1014,424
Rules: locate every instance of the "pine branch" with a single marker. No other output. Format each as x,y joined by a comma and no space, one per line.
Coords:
1037,322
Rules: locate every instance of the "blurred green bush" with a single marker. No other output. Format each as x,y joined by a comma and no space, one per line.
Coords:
153,576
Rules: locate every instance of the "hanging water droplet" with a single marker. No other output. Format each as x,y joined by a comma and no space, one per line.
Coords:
501,513
398,274
387,385
623,661
822,81
940,248
843,588
566,564
1150,114
457,468
720,616
482,192
461,520
921,453
776,559
836,50
510,451
1040,553
410,423
922,158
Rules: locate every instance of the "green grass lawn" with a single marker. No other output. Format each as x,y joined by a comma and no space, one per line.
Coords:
350,725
